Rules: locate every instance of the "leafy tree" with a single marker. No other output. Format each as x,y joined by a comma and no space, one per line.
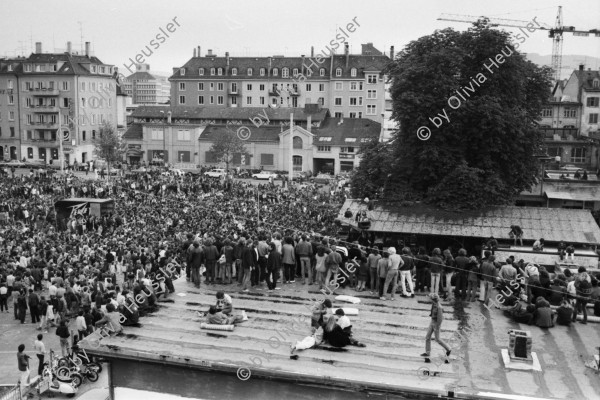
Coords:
372,173
108,145
481,99
227,144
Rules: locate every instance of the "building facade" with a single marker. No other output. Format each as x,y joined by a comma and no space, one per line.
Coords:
146,88
350,85
52,97
570,120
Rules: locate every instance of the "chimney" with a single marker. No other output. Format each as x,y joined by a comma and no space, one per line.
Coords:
581,66
227,58
392,52
38,47
199,55
87,49
194,52
69,47
209,52
169,117
308,123
302,66
347,52
312,51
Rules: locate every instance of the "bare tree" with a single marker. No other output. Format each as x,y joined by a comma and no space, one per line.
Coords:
226,145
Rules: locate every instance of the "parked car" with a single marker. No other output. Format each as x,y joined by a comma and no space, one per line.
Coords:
323,179
265,175
216,173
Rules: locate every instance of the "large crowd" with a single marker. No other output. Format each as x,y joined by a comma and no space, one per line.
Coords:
227,232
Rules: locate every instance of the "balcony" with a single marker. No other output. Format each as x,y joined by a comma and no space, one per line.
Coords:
560,133
43,140
44,125
44,109
294,92
44,92
234,92
274,92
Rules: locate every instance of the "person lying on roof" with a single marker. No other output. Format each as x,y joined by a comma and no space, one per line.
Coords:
216,317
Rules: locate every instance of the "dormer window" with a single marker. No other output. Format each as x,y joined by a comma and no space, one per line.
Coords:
338,72
285,73
322,72
220,71
262,72
353,72
596,84
212,71
234,71
295,72
201,71
10,68
275,72
27,67
249,72
182,70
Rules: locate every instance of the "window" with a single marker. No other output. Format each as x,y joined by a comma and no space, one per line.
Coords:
371,78
201,86
212,71
285,73
183,156
182,71
295,72
356,101
338,115
220,86
593,118
248,100
234,100
234,71
42,153
352,115
338,72
262,72
262,100
12,131
249,72
591,101
596,83
249,86
181,99
366,139
10,84
183,135
27,67
321,87
322,72
157,134
578,154
339,86
297,142
83,136
347,150
308,87
201,71
338,101
324,148
220,71
11,99
371,109
353,72
212,99
371,94
262,88
266,159
570,113
30,152
322,101
350,140
182,86
546,112
93,135
220,100
65,86
11,115
275,71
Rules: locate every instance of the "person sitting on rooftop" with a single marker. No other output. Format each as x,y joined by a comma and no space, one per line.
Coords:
538,245
543,313
564,313
216,317
224,303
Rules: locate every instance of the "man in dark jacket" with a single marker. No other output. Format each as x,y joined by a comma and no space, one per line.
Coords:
34,302
211,255
462,274
195,260
249,261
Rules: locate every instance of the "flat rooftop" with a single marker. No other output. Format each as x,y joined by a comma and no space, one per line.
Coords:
393,332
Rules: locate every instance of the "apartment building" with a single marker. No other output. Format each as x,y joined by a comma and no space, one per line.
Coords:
145,87
50,97
350,85
570,119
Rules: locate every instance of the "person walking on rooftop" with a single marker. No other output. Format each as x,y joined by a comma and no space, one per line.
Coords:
437,317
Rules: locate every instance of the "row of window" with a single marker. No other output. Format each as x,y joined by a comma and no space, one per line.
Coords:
54,68
12,131
220,100
11,115
42,153
578,154
354,86
285,72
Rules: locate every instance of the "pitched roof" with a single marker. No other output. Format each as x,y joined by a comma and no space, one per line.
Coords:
349,128
586,80
141,75
135,132
553,224
72,64
229,113
260,134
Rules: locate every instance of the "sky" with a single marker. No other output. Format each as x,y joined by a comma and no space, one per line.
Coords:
118,30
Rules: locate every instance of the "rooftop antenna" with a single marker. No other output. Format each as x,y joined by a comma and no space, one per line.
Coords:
81,34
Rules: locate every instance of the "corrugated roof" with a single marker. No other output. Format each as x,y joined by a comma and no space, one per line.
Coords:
553,224
228,113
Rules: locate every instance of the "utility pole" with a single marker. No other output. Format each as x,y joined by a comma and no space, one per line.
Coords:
61,155
291,149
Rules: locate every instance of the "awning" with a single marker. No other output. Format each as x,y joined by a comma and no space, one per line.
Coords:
572,196
134,153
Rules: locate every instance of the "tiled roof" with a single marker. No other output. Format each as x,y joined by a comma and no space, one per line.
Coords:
360,62
586,79
72,64
553,224
142,75
134,132
260,134
229,113
350,128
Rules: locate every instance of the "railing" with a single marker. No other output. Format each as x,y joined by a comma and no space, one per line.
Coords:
14,393
44,91
561,133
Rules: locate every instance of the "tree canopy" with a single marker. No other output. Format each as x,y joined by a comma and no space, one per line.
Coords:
480,99
226,145
108,145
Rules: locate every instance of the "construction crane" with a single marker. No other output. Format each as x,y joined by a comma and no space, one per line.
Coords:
556,32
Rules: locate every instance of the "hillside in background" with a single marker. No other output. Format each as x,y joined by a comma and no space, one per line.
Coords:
569,62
